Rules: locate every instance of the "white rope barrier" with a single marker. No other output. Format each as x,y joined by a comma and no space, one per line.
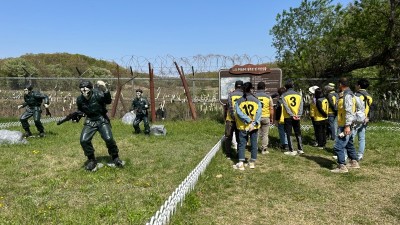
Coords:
387,128
15,124
168,209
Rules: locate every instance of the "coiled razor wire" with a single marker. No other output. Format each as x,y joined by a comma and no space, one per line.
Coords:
168,209
15,124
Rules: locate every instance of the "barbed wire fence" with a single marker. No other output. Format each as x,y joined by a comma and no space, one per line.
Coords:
164,65
168,87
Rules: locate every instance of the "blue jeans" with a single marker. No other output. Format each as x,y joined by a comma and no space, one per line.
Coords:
360,132
243,137
344,145
332,126
282,135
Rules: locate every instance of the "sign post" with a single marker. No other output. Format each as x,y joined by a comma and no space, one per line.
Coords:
272,77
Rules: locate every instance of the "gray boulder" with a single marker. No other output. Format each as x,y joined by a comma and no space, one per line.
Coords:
158,130
12,137
128,118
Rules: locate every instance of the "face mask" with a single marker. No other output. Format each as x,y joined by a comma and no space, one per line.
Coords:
85,92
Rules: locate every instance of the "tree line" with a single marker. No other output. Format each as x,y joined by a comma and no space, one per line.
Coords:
321,40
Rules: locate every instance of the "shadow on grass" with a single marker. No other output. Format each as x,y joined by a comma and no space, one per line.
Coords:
308,139
321,161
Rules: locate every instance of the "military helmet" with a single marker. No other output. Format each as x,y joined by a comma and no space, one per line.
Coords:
86,83
29,87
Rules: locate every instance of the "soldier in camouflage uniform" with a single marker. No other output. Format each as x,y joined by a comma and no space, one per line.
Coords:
92,102
140,107
33,101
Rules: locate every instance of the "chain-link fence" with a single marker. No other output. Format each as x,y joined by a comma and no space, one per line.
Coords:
170,92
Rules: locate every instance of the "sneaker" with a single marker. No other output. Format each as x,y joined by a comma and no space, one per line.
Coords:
238,166
290,153
360,157
353,164
42,134
340,169
315,144
91,166
252,165
264,151
28,134
335,157
300,152
118,162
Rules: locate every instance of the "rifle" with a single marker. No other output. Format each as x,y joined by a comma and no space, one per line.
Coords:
75,116
48,113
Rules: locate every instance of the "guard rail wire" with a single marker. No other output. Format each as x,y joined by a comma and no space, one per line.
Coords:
17,123
168,209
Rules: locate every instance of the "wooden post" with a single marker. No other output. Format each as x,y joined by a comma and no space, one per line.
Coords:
117,95
152,97
187,92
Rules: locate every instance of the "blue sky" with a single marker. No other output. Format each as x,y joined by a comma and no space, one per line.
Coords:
110,30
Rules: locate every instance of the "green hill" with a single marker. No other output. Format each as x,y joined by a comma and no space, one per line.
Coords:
58,65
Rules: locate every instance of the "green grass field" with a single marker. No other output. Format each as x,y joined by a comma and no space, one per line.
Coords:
301,189
44,182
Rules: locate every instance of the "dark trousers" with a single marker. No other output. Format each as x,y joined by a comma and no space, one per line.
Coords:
230,130
320,128
36,113
295,124
89,130
139,118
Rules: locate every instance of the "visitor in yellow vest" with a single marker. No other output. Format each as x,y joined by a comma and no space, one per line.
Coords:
362,85
332,98
344,141
292,111
267,115
230,124
320,118
248,116
313,108
279,120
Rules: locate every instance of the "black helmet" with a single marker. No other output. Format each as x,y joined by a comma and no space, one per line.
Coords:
29,87
86,83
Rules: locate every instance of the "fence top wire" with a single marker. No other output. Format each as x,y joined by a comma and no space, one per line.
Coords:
164,65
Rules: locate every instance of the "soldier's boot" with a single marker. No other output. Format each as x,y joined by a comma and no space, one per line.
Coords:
28,133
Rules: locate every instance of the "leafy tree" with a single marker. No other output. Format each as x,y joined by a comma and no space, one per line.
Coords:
95,71
319,39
